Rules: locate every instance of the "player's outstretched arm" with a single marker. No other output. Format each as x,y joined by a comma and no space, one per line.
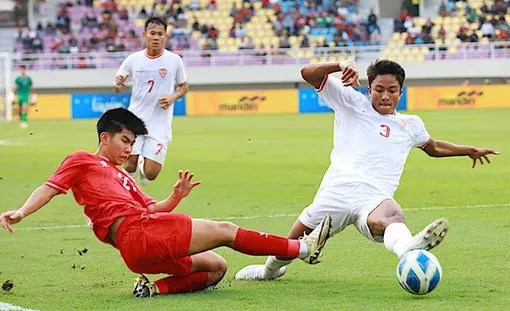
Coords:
315,73
181,189
40,197
440,148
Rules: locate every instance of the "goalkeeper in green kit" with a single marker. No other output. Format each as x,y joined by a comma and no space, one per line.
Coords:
23,89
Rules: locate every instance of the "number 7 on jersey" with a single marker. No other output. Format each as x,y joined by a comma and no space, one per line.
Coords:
151,85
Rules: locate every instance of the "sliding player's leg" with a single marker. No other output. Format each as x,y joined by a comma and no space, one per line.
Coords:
208,235
171,239
188,274
386,223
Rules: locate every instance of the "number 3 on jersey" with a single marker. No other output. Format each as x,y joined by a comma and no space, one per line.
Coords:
385,130
151,85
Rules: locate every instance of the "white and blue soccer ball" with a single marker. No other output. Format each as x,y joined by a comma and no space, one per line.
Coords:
419,272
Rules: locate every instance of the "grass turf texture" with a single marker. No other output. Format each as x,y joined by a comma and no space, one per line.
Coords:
259,166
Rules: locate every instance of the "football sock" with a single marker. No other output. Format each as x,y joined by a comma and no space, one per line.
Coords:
257,243
182,284
274,264
24,117
396,237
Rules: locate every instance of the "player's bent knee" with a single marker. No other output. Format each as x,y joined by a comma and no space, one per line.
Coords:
378,226
219,270
151,175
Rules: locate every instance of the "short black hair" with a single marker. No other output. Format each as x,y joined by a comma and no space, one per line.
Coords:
155,20
23,67
116,120
386,67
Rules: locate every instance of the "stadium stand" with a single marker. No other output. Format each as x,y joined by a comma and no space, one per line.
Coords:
206,25
472,21
86,34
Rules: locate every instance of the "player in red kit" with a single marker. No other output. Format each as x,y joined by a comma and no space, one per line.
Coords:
149,236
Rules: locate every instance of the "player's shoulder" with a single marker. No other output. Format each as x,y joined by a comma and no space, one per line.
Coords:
412,120
171,56
81,155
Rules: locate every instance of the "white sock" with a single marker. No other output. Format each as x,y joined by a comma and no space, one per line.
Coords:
303,250
396,237
273,264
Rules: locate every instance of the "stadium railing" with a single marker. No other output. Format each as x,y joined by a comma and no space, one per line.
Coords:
414,53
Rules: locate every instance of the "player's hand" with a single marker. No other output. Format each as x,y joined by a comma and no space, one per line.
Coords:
166,101
480,154
120,81
350,75
185,184
9,218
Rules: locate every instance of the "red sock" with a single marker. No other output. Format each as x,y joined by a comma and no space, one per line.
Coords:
183,284
258,243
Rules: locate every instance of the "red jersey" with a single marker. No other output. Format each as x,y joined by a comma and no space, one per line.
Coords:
105,192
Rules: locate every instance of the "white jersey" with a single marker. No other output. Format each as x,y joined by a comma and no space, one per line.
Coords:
153,77
369,147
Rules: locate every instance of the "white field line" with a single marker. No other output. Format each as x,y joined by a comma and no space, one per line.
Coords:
426,208
4,306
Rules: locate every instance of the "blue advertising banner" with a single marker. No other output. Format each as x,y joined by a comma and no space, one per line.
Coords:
311,102
85,106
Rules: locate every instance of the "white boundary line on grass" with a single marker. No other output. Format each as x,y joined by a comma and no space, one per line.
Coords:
4,306
427,208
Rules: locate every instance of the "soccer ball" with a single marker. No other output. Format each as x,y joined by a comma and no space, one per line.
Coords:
419,272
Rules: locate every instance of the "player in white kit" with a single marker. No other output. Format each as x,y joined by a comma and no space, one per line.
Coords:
159,80
371,145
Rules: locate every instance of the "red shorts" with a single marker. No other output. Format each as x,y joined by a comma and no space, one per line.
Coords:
156,243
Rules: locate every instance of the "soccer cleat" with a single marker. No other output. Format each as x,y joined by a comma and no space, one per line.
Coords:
259,273
429,237
316,241
23,125
143,288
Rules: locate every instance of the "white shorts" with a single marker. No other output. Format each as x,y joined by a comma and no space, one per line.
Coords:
346,202
150,148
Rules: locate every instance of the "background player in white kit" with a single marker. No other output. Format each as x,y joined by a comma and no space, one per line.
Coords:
371,145
159,80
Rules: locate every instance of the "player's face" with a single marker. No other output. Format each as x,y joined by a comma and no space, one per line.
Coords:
155,37
385,92
118,147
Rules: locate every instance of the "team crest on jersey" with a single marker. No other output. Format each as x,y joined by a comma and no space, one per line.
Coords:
403,123
162,72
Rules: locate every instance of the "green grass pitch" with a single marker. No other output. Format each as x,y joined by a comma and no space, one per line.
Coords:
263,166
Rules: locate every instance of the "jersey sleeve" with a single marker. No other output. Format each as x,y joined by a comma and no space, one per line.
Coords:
180,77
422,136
148,199
338,96
67,174
125,67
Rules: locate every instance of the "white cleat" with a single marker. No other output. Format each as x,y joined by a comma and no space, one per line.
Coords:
259,273
316,241
23,125
429,237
